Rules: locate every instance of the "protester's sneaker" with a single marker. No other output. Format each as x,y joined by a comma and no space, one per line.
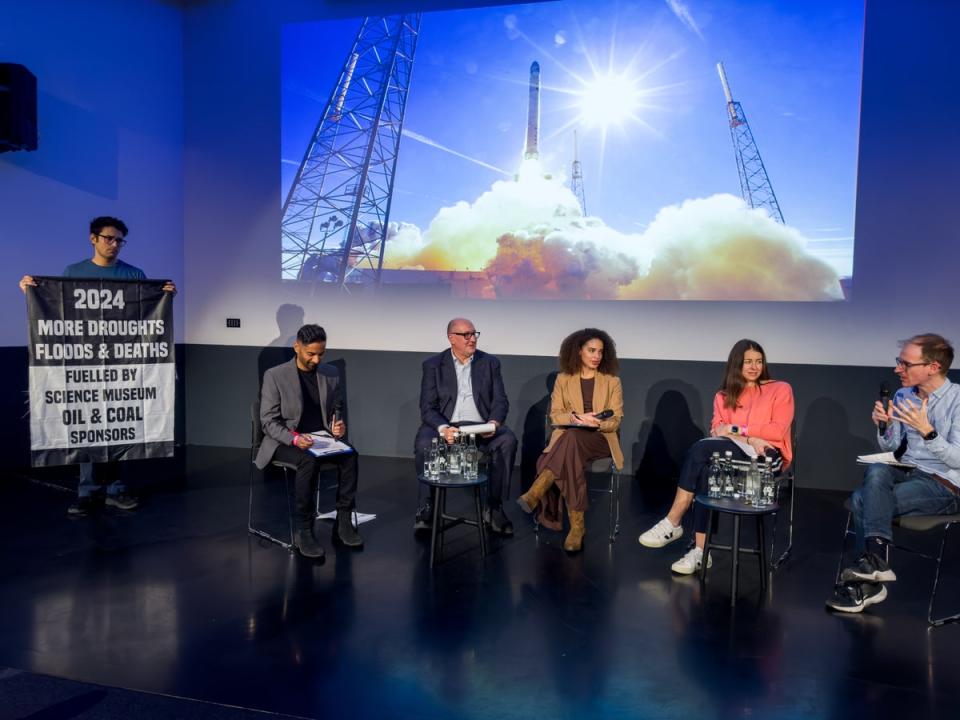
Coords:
424,517
870,567
853,597
122,501
663,533
690,563
83,506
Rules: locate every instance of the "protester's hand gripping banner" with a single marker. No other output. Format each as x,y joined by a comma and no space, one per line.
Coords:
101,370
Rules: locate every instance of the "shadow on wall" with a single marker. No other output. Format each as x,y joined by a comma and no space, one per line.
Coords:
663,441
534,436
827,447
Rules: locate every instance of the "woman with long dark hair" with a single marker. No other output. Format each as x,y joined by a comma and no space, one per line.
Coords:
751,407
586,386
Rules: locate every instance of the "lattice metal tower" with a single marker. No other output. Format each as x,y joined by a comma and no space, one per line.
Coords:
755,186
336,215
576,179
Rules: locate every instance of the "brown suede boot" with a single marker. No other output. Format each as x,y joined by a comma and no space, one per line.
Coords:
574,541
532,497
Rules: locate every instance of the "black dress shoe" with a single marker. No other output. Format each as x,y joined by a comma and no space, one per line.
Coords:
307,545
498,522
344,532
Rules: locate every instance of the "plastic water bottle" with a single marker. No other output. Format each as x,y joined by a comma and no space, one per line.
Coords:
471,458
714,477
455,455
729,488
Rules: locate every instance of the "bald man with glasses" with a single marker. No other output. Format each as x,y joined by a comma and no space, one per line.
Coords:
463,386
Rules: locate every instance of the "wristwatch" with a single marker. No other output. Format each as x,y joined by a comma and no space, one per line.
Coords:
932,435
735,429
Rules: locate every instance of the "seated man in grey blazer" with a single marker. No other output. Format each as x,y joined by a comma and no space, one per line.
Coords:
463,385
299,397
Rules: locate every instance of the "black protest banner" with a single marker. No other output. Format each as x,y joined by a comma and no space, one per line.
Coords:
101,370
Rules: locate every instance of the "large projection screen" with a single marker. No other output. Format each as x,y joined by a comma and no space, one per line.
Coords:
575,151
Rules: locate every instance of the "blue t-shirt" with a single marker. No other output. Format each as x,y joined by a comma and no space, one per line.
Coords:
89,270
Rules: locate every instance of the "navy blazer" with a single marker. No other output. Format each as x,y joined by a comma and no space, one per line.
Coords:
438,389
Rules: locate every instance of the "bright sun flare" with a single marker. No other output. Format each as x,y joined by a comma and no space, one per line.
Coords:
608,100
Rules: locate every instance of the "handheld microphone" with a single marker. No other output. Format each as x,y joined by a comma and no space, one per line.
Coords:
604,415
885,401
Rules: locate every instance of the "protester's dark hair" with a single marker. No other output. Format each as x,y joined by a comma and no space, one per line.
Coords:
934,348
570,351
733,382
105,221
309,334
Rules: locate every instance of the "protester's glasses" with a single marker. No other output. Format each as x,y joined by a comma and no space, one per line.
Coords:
113,240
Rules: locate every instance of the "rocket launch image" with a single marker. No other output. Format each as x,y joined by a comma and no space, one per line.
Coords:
463,169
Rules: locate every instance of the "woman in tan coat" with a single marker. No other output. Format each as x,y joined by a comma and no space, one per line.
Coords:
586,387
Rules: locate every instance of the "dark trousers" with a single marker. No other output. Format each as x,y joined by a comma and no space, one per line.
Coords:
693,474
305,482
501,451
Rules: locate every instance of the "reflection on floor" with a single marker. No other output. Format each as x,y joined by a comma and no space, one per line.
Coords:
176,598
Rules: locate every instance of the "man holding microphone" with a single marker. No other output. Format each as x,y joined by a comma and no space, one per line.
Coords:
922,422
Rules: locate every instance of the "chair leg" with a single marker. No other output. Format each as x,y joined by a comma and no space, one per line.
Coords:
785,555
762,552
843,547
263,533
706,546
735,559
480,527
437,497
614,505
937,622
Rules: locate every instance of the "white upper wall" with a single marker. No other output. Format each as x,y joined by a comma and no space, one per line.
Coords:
905,268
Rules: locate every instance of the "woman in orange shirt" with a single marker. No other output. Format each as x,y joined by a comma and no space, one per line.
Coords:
749,406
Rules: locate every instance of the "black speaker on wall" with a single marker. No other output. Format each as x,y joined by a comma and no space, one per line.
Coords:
18,108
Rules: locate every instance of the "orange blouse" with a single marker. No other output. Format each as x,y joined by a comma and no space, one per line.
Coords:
766,411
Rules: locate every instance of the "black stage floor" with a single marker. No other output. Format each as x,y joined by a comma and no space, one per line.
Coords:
177,599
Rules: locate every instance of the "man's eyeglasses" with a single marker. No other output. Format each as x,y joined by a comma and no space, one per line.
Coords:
113,240
907,365
468,335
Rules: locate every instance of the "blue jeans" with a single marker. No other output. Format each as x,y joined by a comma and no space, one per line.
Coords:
88,486
888,492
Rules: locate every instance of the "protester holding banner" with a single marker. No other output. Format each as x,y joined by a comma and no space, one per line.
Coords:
59,446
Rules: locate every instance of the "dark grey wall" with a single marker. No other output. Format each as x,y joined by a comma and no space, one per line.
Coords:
667,406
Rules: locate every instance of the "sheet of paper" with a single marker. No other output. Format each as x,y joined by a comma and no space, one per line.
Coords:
887,458
477,429
325,444
361,518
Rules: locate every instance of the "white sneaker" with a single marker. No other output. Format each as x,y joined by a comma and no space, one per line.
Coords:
690,563
663,533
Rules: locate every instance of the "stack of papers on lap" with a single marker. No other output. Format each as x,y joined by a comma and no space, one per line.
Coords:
325,444
886,458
